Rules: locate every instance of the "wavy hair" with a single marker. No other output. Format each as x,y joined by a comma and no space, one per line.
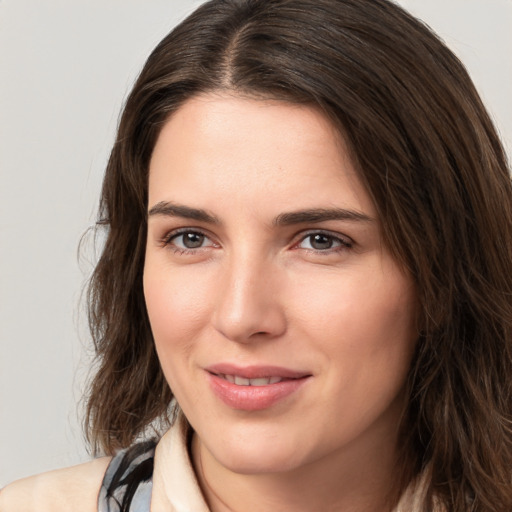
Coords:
428,155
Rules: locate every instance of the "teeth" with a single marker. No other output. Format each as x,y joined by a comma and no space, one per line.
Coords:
261,381
240,381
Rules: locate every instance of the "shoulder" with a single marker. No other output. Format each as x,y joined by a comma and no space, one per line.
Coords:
75,488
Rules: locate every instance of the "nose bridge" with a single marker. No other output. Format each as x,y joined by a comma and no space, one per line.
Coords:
248,302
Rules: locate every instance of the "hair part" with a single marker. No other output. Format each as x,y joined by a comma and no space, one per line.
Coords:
428,155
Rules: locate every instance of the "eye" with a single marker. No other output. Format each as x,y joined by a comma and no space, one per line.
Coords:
324,242
188,240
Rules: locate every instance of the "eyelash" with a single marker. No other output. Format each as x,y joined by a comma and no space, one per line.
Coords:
168,239
344,243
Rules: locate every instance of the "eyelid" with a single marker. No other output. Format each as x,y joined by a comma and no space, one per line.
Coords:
345,241
166,240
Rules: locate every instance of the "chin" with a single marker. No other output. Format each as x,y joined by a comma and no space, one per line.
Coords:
272,455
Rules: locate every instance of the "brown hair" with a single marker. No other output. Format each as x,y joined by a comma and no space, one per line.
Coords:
429,157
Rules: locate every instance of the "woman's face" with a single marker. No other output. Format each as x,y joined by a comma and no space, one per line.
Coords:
283,325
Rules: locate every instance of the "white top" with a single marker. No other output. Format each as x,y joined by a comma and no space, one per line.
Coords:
175,487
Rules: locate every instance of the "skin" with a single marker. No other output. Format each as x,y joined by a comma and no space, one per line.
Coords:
258,292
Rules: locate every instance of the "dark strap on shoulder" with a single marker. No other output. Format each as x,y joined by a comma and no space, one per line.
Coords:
128,480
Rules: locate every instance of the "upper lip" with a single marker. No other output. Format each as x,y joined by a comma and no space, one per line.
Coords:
256,371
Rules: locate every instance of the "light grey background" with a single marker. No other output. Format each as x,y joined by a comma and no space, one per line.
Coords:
65,68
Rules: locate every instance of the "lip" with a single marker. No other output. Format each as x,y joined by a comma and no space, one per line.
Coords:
254,398
256,371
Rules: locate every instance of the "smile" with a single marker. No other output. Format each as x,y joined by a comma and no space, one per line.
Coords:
254,388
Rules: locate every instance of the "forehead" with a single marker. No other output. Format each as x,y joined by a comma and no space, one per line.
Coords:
245,149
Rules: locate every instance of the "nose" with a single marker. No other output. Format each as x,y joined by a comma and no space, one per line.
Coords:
249,307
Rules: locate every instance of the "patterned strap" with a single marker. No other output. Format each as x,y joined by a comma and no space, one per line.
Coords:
128,480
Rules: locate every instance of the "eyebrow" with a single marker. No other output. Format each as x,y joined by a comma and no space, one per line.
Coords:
168,209
320,215
312,215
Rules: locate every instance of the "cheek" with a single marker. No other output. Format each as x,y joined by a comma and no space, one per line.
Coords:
358,304
365,324
176,308
367,343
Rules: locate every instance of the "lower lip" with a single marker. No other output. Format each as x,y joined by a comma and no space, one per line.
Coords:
253,398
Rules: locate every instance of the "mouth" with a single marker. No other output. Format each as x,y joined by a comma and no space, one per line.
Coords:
255,388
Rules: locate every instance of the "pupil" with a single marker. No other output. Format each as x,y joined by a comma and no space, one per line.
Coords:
193,240
321,241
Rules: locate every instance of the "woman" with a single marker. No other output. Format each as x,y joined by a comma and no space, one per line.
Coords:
309,218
